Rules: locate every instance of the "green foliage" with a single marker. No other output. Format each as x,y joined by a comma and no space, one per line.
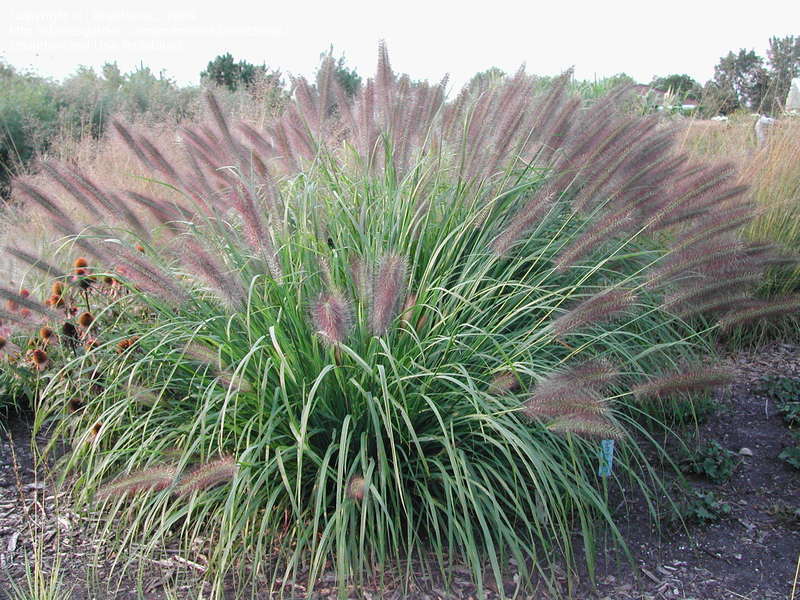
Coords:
682,412
791,455
740,80
683,86
785,391
29,109
784,61
224,71
34,111
779,388
704,507
791,412
712,461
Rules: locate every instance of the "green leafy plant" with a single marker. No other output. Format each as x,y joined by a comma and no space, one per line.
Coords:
791,454
391,332
712,461
704,507
785,391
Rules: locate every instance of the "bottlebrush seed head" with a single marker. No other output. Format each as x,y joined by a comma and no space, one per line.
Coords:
387,290
331,317
209,475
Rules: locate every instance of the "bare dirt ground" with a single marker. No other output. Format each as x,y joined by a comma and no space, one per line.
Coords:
750,553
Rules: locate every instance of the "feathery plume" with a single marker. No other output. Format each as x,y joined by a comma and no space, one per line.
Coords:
594,237
35,261
387,289
761,310
147,480
331,316
594,426
602,307
691,380
208,476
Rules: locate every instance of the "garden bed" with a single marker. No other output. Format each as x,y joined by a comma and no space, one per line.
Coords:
749,550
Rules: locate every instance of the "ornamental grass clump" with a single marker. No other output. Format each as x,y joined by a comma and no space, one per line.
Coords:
403,322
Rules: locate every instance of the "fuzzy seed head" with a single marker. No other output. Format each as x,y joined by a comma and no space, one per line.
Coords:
387,291
152,479
209,475
331,317
85,319
356,488
80,263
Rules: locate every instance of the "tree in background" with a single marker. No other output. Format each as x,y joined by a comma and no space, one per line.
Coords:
225,71
784,63
683,86
740,81
348,78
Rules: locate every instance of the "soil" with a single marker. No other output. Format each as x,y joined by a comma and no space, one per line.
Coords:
751,552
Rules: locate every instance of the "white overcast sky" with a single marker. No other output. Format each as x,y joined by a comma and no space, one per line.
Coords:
426,39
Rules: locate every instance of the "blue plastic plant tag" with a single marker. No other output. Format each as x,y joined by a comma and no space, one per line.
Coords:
606,458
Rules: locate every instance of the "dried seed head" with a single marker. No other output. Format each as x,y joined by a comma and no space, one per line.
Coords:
356,488
3,342
46,333
74,405
11,306
57,289
140,248
39,358
68,329
80,263
24,293
85,319
126,344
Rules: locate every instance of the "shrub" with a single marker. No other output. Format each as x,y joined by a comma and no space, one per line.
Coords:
390,330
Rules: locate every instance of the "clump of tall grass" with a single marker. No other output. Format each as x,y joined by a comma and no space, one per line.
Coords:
390,330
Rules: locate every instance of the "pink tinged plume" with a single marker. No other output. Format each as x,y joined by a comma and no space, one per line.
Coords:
387,290
600,308
332,318
696,379
153,479
209,475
